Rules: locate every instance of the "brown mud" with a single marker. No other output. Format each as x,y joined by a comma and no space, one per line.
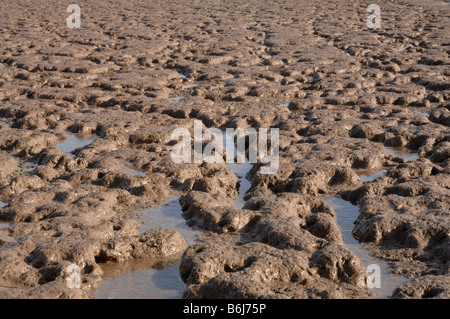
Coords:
343,97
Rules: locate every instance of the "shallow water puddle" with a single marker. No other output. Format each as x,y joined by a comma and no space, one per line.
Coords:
167,215
2,223
426,114
25,165
369,175
403,152
74,142
240,170
346,213
141,279
149,278
29,166
133,172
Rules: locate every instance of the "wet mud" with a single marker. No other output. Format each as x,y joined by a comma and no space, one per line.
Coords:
87,178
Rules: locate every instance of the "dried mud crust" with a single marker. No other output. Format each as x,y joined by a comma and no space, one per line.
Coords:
136,71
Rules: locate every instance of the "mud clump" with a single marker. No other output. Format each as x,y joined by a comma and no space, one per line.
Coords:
256,270
405,216
426,287
285,246
44,272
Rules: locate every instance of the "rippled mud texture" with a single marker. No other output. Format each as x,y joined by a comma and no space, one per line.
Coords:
338,92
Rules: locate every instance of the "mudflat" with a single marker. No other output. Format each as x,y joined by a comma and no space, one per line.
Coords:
86,122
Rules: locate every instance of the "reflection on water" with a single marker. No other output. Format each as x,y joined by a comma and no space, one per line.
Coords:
132,171
369,175
403,152
155,279
424,113
240,170
3,224
29,166
346,213
149,278
72,143
146,278
25,164
167,215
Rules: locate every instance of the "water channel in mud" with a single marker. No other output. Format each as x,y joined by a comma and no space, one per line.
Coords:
159,279
346,214
155,279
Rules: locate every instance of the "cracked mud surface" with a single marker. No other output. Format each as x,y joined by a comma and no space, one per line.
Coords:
340,94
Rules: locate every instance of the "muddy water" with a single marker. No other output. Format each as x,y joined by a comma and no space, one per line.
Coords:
149,278
403,152
132,171
424,113
3,224
141,279
346,213
239,169
25,165
370,175
72,143
167,215
156,279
